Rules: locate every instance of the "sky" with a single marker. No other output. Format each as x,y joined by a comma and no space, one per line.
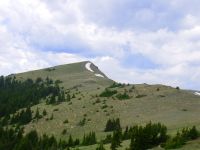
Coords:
131,41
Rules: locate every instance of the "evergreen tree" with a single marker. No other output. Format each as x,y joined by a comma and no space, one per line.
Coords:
100,147
37,114
89,139
44,112
70,141
68,97
112,125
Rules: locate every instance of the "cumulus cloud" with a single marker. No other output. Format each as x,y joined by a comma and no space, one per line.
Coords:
37,34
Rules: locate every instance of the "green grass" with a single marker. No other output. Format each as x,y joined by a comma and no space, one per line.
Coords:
166,105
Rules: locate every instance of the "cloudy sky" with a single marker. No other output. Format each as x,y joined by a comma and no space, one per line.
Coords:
135,41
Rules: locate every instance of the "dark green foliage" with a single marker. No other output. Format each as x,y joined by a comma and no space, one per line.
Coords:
126,135
146,137
140,96
51,118
61,96
114,85
64,131
13,139
68,98
23,117
116,139
107,93
73,96
108,139
175,142
15,94
50,69
182,137
58,82
66,121
44,112
9,138
82,122
177,88
104,106
37,114
100,147
89,139
70,141
123,96
112,124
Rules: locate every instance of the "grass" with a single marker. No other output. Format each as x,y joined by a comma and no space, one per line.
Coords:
166,105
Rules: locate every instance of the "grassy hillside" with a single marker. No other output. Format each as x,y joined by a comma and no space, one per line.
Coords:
173,107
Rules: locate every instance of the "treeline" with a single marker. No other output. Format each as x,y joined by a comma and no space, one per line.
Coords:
181,138
141,138
13,139
146,137
15,95
112,124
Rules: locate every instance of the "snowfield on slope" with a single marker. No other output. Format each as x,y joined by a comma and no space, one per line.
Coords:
88,67
197,93
99,75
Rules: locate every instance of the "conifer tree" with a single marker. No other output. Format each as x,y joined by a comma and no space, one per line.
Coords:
100,147
70,141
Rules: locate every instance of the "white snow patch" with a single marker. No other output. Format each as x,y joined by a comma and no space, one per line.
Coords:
197,93
99,75
88,67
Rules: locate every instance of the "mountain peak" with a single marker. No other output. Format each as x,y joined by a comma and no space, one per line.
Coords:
84,73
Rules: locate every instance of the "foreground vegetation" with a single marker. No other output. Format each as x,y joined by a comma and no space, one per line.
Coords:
141,137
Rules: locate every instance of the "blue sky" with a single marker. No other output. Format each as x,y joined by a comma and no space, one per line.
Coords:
146,41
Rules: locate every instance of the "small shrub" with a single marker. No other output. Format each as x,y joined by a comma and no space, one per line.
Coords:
64,131
123,96
56,109
82,122
44,112
104,106
161,95
51,118
66,121
140,96
107,93
98,100
114,85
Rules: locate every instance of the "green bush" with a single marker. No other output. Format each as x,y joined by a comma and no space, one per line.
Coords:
107,93
140,96
181,138
123,96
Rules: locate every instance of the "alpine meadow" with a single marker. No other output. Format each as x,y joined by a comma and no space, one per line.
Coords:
99,74
76,106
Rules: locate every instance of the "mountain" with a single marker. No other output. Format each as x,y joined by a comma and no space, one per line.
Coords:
90,108
76,74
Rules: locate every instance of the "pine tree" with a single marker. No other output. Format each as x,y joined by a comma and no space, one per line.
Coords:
44,112
70,141
73,96
100,147
68,97
37,114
